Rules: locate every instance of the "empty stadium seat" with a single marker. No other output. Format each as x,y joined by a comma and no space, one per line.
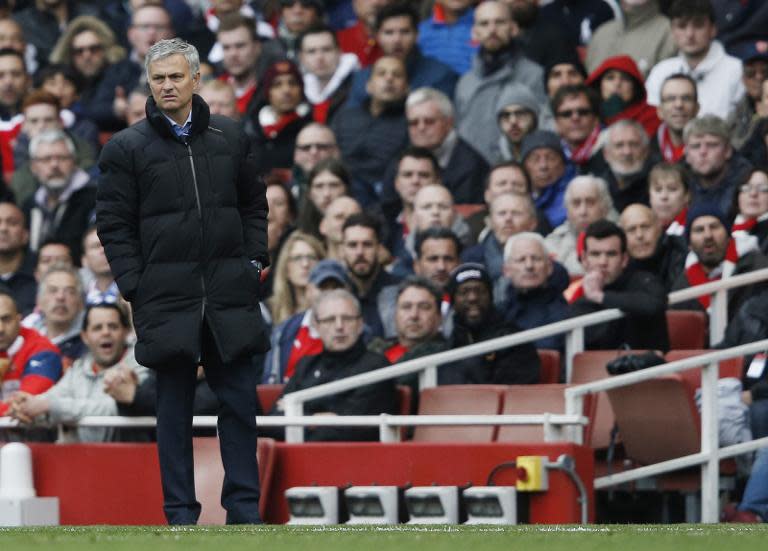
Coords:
732,367
268,395
549,361
687,329
459,400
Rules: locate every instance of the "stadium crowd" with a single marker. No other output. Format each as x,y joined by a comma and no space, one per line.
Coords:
438,173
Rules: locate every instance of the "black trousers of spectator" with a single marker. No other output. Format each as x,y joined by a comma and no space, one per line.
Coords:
234,384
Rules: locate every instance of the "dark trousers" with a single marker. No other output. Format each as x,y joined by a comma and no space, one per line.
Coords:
234,384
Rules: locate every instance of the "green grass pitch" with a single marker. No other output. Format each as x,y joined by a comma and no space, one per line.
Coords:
400,538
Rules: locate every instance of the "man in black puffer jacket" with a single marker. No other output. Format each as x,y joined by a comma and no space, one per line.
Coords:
183,219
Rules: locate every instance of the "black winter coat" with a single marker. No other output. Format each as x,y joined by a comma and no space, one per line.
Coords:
179,223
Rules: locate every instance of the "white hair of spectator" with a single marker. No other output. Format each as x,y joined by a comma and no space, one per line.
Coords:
50,137
628,123
601,186
334,294
512,242
425,94
168,47
62,268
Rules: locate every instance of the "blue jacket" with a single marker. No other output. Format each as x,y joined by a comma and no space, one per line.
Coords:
535,308
551,199
449,43
490,253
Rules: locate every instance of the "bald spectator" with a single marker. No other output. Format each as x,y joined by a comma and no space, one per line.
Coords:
370,136
531,292
509,214
678,105
17,263
642,33
587,200
717,74
499,64
221,99
650,248
549,171
333,221
314,143
149,23
447,34
577,122
433,207
517,115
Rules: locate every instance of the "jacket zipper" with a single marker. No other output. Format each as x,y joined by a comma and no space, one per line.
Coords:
200,216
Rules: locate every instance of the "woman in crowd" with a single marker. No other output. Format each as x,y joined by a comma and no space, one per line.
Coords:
327,181
752,207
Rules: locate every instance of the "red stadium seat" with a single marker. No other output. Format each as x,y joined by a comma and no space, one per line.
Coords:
550,366
268,395
692,377
687,329
459,400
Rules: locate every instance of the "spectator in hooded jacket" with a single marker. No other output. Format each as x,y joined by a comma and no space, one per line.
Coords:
517,115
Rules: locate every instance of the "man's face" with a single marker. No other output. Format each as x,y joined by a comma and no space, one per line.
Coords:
709,240
605,256
509,215
93,256
417,316
105,336
584,205
506,179
516,122
427,125
88,54
493,28
366,10
396,36
137,108
10,321
50,254
668,197
319,55
240,51
707,154
472,302
40,117
544,166
529,265
11,36
412,175
150,24
359,249
388,82
59,299
693,35
335,215
562,74
221,101
53,165
298,16
172,84
575,119
13,81
617,83
13,235
642,229
285,94
433,207
755,71
438,258
313,144
625,150
678,103
324,188
339,324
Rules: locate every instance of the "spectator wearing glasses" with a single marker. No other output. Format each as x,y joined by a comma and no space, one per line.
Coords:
577,122
752,208
314,143
88,46
149,23
679,104
339,322
517,115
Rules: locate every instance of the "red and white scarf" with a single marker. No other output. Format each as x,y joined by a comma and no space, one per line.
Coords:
583,152
744,225
738,246
677,226
671,152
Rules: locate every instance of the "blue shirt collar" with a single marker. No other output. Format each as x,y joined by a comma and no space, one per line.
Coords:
181,131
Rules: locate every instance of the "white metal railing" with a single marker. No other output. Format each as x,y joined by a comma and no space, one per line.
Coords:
389,425
710,453
426,367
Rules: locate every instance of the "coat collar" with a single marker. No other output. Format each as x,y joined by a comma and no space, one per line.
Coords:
201,116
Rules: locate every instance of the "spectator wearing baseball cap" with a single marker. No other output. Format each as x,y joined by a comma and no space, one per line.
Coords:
476,319
296,337
549,171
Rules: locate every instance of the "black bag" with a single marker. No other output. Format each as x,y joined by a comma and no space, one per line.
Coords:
633,362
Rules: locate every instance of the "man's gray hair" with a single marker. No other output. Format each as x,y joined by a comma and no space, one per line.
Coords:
629,123
335,294
425,94
602,191
50,137
513,241
61,268
707,124
166,48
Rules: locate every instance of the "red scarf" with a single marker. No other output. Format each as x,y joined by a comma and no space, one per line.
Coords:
738,246
395,352
746,225
272,130
583,152
671,152
677,226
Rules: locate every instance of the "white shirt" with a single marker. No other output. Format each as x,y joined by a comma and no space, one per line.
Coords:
718,77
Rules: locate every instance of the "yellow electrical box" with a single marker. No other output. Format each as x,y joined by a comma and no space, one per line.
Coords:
532,473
